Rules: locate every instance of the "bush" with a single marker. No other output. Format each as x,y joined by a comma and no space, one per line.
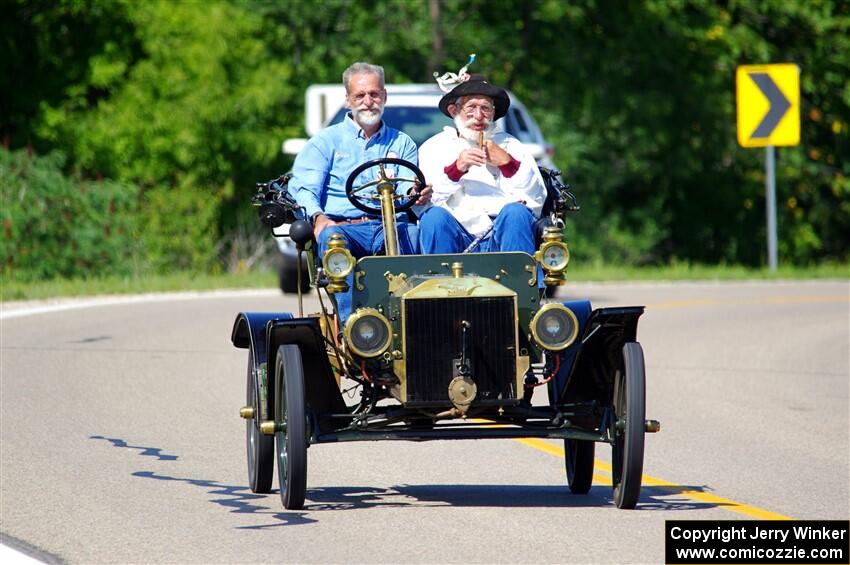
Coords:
55,225
180,232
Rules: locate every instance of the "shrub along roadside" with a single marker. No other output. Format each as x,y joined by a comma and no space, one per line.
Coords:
58,226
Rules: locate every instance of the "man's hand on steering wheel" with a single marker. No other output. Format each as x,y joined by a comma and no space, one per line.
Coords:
425,194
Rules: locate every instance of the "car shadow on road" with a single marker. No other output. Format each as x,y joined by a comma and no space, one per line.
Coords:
460,495
146,451
239,499
504,496
677,497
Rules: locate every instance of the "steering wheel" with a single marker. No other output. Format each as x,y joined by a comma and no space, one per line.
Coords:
359,195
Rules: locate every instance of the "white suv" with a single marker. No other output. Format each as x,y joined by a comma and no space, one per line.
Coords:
412,108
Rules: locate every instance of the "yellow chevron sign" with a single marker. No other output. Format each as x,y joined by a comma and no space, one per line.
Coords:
768,99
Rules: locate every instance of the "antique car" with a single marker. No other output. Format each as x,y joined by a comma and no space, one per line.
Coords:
438,347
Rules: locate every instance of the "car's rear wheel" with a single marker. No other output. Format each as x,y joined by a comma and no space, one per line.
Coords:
291,437
578,457
630,426
259,447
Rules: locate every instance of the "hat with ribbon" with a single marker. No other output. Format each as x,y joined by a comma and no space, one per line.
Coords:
477,85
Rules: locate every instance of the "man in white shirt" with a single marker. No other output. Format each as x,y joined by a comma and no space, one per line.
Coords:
486,185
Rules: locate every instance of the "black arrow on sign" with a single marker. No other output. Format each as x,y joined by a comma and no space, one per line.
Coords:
778,105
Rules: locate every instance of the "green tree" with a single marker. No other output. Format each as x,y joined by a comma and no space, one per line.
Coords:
195,114
47,51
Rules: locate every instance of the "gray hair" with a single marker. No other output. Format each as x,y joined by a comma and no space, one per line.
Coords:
362,69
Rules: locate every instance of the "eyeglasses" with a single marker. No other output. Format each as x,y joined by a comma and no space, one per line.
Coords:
470,109
361,96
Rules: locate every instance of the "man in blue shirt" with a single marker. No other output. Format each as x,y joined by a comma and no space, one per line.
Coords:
323,166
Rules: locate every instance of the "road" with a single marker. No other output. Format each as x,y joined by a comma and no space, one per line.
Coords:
120,440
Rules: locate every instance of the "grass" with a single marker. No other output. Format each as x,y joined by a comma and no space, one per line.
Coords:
11,290
14,290
687,271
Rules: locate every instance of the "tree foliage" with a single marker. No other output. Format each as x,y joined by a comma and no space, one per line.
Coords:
189,101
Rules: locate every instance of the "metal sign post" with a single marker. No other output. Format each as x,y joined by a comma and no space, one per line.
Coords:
770,197
768,99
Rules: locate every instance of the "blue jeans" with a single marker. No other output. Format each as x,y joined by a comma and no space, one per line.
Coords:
365,239
513,230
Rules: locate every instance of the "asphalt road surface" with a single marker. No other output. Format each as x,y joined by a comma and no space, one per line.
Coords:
121,442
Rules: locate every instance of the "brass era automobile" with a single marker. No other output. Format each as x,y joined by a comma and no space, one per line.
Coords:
438,347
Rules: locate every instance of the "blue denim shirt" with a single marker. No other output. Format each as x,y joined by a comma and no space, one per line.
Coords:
323,166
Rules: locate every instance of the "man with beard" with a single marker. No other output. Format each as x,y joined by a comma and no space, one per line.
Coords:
485,184
322,168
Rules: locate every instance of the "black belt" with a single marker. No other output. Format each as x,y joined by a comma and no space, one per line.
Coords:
359,220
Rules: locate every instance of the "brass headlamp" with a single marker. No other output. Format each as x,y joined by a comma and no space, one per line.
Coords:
554,327
553,256
338,263
368,333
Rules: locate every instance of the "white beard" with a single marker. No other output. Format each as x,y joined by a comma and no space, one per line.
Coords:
470,134
368,117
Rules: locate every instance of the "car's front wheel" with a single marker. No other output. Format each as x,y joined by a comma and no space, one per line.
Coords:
630,426
291,419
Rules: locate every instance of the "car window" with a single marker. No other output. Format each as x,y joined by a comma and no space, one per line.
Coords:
520,122
418,122
521,129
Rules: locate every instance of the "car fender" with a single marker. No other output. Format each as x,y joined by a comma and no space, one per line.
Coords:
265,332
588,366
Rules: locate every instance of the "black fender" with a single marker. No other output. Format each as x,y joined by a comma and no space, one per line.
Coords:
265,332
582,309
587,373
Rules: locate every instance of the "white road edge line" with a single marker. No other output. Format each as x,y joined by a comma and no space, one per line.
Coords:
10,310
11,556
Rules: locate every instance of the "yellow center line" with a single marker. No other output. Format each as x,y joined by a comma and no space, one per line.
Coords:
646,480
824,298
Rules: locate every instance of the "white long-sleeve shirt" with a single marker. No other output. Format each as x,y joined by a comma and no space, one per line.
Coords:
483,190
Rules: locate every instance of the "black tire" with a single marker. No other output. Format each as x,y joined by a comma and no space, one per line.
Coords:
288,275
578,458
630,409
291,440
259,447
